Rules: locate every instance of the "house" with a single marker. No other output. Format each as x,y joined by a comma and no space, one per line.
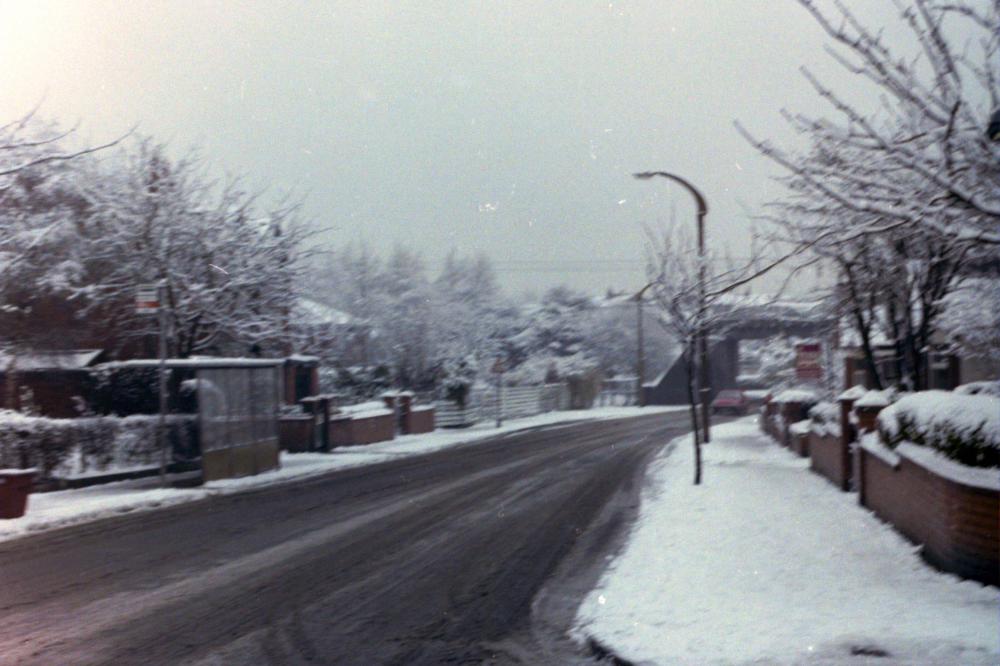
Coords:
48,383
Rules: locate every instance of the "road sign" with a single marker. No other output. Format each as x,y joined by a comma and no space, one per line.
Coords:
809,361
147,299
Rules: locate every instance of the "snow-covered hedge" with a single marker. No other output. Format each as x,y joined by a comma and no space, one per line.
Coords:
980,388
70,447
824,418
965,428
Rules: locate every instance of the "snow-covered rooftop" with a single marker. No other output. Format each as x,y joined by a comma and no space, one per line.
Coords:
199,362
69,359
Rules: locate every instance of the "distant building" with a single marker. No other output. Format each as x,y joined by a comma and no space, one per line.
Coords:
48,383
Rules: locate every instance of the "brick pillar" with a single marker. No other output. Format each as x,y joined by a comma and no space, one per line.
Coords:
403,411
792,412
847,436
846,427
868,417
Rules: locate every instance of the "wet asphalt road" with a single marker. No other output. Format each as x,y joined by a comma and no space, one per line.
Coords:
474,554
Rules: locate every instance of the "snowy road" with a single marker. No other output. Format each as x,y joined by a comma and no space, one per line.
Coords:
469,554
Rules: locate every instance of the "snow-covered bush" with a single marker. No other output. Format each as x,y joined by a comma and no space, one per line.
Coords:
548,369
459,376
66,447
825,418
980,388
355,383
965,428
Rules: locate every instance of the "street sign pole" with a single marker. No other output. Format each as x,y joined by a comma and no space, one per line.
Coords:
499,398
498,368
150,299
161,290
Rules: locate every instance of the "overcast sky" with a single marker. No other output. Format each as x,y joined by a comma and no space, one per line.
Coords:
509,128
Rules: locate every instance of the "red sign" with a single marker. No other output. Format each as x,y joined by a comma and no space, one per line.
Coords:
809,361
147,299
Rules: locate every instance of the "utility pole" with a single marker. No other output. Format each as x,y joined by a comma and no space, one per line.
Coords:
640,370
640,358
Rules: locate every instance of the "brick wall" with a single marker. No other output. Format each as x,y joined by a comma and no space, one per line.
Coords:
418,420
348,431
297,433
957,524
799,442
830,456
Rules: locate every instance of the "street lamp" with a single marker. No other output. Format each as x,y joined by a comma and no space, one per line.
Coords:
702,333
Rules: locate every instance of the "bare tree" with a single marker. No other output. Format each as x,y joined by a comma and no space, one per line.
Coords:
687,306
923,158
899,197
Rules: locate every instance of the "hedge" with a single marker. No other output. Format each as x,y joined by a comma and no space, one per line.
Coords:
68,447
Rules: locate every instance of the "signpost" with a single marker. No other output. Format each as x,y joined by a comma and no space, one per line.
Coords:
149,299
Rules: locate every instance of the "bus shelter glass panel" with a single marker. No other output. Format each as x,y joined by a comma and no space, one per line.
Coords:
237,406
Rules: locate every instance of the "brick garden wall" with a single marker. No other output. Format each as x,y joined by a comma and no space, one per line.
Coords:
297,433
348,431
418,420
957,524
830,456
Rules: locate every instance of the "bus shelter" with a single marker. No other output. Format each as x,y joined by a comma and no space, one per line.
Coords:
238,404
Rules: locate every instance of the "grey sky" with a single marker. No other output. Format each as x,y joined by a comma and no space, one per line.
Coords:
509,128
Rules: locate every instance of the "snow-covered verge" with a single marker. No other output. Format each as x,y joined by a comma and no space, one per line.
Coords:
963,427
48,511
765,563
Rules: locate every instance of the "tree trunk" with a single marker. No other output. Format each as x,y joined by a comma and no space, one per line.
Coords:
689,367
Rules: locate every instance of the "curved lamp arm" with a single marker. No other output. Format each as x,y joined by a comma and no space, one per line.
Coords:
702,205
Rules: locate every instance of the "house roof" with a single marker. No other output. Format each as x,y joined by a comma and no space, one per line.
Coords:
62,359
201,362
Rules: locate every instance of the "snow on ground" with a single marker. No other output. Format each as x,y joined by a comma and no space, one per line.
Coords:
56,509
767,563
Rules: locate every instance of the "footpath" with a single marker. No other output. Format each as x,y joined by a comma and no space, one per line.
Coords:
767,563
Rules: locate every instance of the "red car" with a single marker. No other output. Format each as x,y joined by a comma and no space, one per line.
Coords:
732,401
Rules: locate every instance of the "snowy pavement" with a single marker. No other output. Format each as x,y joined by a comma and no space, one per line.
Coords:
48,511
767,563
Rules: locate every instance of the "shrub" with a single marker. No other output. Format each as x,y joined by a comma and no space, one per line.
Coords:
965,428
825,418
60,447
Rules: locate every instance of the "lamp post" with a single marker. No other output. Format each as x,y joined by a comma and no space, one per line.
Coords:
640,361
702,329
